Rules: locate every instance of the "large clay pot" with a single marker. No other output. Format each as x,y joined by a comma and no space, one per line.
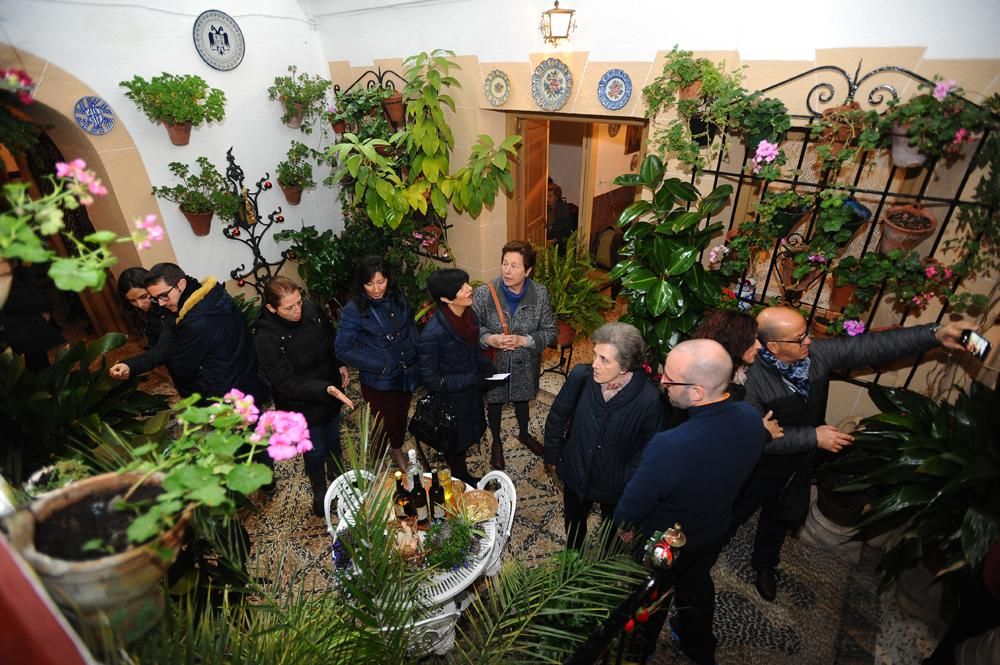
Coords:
180,134
293,193
393,105
566,334
794,288
201,222
905,155
339,126
121,590
841,296
905,227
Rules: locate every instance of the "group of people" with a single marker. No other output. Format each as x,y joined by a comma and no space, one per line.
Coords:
751,393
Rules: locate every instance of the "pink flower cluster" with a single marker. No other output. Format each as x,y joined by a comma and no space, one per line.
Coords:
287,434
425,240
151,232
922,300
942,88
766,153
241,403
77,171
817,258
853,327
932,271
716,254
18,82
962,136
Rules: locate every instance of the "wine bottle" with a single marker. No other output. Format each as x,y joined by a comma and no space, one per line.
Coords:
436,497
418,497
414,467
404,507
444,476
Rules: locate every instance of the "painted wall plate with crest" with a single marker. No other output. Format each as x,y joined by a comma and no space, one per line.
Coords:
94,115
551,84
496,87
614,90
219,40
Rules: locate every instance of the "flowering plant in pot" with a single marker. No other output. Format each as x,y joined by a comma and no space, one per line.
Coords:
764,119
201,195
842,133
777,214
302,98
179,101
295,173
932,124
916,281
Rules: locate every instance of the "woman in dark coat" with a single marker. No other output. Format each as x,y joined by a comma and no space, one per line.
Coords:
452,364
599,425
295,349
531,326
378,336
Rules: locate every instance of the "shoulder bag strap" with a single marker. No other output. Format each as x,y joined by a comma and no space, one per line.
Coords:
496,303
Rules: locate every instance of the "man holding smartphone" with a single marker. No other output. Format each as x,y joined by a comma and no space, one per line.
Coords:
791,378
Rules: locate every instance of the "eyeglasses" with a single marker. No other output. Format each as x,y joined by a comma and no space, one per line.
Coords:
668,382
801,341
165,296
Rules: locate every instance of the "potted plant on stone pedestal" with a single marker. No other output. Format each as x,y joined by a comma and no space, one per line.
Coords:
295,173
302,98
201,195
179,101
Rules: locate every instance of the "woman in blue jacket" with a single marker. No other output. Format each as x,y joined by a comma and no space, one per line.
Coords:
378,336
453,365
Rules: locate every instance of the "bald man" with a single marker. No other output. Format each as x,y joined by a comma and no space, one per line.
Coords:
792,378
691,475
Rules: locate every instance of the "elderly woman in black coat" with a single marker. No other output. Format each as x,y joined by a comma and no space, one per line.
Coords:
453,365
599,425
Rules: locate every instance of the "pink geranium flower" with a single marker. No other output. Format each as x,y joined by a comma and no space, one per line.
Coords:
766,153
287,434
151,231
853,327
942,88
242,403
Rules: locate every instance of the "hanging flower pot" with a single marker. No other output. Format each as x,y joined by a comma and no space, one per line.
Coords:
787,218
293,193
566,334
201,222
841,296
296,113
690,91
179,133
393,105
905,155
794,288
841,128
339,126
905,227
818,327
121,589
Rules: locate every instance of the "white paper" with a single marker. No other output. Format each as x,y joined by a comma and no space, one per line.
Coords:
498,377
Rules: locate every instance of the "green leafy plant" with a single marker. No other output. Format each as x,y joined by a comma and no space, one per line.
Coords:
764,118
448,542
938,121
207,191
176,99
935,467
576,299
777,214
296,170
358,103
300,94
59,474
843,133
667,287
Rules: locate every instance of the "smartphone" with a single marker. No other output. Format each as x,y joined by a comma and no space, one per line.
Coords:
975,343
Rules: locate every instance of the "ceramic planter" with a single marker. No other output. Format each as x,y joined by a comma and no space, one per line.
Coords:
339,126
839,136
905,155
905,227
794,288
201,222
818,327
393,105
566,334
787,218
293,193
297,114
690,91
180,134
122,589
841,296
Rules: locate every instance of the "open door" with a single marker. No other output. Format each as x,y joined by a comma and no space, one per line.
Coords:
533,174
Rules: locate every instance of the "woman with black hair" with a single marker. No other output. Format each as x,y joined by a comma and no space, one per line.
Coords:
378,336
146,320
452,364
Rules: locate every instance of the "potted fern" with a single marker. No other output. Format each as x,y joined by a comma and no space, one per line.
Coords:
179,101
200,196
302,98
576,299
295,173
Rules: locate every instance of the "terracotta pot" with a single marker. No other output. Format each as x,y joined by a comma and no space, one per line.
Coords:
393,105
297,115
180,134
566,335
905,227
841,296
340,126
690,91
123,589
293,193
794,288
201,222
818,328
905,155
838,137
383,149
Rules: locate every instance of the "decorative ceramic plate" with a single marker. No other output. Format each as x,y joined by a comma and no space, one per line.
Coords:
614,90
551,84
219,40
94,115
496,87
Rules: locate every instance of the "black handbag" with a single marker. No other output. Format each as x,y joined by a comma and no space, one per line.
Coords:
433,423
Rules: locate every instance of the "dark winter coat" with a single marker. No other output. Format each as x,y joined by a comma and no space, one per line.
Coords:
298,359
449,366
23,327
535,320
211,349
157,325
385,353
606,439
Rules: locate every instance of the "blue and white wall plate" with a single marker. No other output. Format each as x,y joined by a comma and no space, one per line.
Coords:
94,115
219,40
614,90
496,87
551,84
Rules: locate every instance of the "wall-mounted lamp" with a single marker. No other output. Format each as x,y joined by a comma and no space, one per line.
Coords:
557,24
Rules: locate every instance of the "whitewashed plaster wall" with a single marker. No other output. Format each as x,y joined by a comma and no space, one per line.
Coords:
566,157
102,44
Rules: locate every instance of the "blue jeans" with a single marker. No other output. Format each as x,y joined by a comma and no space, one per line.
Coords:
326,441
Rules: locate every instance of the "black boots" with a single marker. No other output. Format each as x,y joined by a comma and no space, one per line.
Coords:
318,483
496,455
531,443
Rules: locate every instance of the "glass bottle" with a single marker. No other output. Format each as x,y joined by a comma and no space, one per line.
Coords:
444,475
403,506
436,497
413,467
418,496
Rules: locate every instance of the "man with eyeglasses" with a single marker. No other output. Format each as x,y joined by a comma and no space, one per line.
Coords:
210,349
690,475
792,378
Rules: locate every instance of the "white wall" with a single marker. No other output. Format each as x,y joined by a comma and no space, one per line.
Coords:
611,159
503,31
566,156
102,44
